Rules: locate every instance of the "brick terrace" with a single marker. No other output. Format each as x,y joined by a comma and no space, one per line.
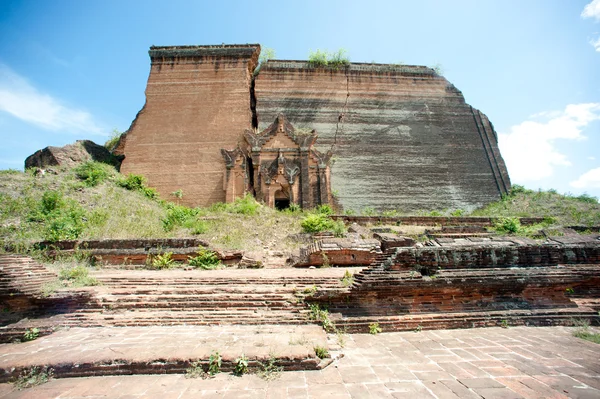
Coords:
522,362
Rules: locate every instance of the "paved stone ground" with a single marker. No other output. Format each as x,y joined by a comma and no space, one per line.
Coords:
489,363
163,343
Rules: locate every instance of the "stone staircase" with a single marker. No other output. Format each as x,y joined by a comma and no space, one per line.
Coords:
21,276
179,298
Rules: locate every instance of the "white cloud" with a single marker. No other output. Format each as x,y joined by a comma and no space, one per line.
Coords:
596,44
592,10
529,149
23,101
590,179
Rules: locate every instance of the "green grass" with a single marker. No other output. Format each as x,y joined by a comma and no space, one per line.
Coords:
588,336
94,201
564,210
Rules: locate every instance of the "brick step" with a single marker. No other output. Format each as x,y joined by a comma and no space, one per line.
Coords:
538,317
215,282
84,352
208,306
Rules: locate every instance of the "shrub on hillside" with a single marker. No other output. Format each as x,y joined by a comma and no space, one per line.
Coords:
318,222
63,219
93,173
137,183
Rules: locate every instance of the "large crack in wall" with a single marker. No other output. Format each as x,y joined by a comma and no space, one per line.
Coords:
342,114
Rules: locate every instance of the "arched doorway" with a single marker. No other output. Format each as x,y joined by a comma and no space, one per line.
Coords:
282,200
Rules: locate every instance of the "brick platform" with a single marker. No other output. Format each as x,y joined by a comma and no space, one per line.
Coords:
485,363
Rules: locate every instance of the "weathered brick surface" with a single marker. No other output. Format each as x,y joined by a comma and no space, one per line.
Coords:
428,220
403,137
197,102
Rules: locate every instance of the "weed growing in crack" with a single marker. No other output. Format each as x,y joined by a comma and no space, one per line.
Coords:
241,365
162,261
270,371
33,377
583,331
374,328
298,341
31,334
205,259
214,363
195,370
321,315
341,337
348,279
321,352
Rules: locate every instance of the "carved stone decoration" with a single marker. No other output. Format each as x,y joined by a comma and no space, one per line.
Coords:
280,166
236,176
254,140
230,157
323,159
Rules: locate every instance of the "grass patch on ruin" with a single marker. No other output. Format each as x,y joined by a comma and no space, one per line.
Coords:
94,201
562,209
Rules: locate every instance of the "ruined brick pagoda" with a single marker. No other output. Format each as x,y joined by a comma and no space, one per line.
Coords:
402,136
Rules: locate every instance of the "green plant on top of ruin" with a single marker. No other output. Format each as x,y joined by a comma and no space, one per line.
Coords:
438,69
374,328
112,142
162,261
318,58
266,54
324,58
205,259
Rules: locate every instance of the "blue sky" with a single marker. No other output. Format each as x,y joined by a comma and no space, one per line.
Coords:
78,69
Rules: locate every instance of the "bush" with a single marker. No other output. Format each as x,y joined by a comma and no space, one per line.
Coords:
31,334
162,261
62,219
324,58
317,58
325,210
510,225
205,259
137,183
317,222
93,173
246,205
